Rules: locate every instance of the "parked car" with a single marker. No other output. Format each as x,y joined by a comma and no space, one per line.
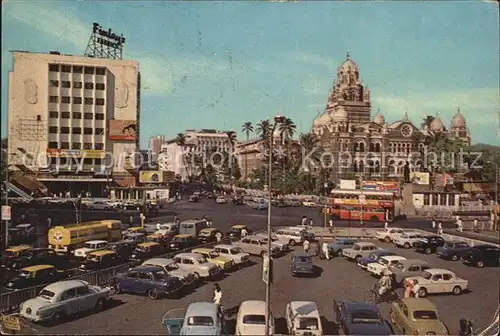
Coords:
483,255
301,264
208,235
238,201
198,264
453,250
63,299
182,241
200,318
39,256
360,318
437,281
388,234
145,251
99,205
281,243
13,252
147,280
417,316
374,257
292,235
34,276
221,200
338,245
358,251
123,248
98,260
254,245
384,263
89,246
429,244
308,204
225,263
251,319
235,253
193,199
235,231
406,239
170,267
307,231
408,268
303,318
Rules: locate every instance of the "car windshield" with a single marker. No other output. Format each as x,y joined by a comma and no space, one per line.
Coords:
384,261
201,260
9,254
356,247
462,245
159,274
425,315
24,274
204,233
365,316
399,266
308,323
46,294
93,258
404,236
426,275
236,250
213,254
205,321
304,259
254,319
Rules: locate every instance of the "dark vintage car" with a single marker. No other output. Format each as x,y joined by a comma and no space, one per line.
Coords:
428,244
102,259
182,241
145,251
34,276
208,235
193,199
13,252
123,248
374,257
235,231
40,256
482,255
360,318
147,280
302,264
453,250
238,201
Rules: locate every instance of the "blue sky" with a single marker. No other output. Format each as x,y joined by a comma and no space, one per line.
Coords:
219,64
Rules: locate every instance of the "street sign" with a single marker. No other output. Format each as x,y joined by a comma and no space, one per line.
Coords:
265,269
6,212
362,199
11,322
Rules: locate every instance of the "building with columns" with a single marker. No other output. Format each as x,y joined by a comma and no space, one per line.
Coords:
372,146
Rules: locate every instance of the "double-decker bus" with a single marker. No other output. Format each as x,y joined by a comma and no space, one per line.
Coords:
377,205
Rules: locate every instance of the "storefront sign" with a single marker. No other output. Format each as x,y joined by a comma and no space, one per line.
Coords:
122,130
6,212
347,184
419,178
90,154
381,186
155,176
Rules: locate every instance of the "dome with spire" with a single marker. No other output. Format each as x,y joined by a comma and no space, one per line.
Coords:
349,64
379,118
340,114
437,125
323,119
458,120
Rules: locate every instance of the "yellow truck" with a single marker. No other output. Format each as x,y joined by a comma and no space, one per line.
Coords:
68,238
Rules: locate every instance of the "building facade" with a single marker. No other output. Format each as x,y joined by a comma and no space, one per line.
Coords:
360,144
155,145
73,116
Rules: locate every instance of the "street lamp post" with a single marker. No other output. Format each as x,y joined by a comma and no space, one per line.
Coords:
277,120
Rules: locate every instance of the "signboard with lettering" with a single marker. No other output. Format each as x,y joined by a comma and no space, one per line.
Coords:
381,186
353,201
75,153
6,212
107,37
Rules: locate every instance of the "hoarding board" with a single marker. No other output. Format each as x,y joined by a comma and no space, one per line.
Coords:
419,178
122,130
381,186
347,184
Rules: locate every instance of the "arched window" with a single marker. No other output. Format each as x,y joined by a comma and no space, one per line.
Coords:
355,166
377,166
372,147
361,166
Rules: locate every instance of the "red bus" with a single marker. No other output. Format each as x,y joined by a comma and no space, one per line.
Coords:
377,205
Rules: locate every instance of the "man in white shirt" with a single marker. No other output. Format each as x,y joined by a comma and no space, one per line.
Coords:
217,295
244,232
218,236
306,246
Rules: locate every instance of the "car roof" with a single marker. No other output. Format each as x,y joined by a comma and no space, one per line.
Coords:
37,268
393,257
364,244
238,226
414,262
210,229
159,261
225,246
183,235
361,306
301,254
201,250
305,308
95,241
101,253
18,248
253,306
65,285
147,244
409,233
418,304
438,270
202,308
146,268
192,221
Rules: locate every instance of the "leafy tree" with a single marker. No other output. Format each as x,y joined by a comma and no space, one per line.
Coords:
180,140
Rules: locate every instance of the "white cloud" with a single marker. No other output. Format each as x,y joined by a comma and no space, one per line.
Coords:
312,59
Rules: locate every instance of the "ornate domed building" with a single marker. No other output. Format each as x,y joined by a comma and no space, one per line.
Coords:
373,147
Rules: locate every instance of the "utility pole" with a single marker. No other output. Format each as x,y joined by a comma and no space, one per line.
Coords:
7,222
361,199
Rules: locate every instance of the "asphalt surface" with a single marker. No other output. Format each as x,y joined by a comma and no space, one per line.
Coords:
339,280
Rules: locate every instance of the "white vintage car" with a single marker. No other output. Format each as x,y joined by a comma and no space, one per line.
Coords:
359,250
282,243
171,268
251,319
61,299
383,263
90,246
436,281
233,252
198,264
388,234
308,204
406,239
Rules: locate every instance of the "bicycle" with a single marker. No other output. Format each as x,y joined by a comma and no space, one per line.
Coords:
372,295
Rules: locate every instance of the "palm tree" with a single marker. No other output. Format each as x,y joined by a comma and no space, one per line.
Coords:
287,129
232,140
427,121
180,140
247,127
308,143
264,128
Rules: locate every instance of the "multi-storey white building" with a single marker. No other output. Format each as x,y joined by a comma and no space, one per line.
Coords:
72,116
155,144
172,156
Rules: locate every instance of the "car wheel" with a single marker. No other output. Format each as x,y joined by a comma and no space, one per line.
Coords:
387,239
454,257
422,292
58,317
196,275
479,264
153,294
100,305
406,245
291,242
358,259
457,290
428,250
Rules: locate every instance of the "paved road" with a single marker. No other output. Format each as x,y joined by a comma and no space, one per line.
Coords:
340,280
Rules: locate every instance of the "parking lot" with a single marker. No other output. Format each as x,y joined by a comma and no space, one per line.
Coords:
339,280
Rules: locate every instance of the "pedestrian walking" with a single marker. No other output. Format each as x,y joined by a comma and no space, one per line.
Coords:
330,222
217,295
244,232
131,220
310,221
49,222
433,223
218,236
326,250
460,225
303,221
475,226
386,225
440,228
416,288
306,246
408,288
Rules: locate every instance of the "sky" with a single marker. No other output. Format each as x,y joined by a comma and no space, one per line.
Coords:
219,64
